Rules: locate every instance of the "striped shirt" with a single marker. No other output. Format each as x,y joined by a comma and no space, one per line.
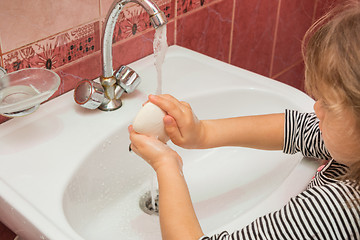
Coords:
328,209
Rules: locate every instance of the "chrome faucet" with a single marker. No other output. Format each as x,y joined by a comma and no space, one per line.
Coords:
106,94
2,71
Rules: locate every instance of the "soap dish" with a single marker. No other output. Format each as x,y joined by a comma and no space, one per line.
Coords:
21,92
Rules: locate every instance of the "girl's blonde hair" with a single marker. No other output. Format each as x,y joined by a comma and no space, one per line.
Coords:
331,50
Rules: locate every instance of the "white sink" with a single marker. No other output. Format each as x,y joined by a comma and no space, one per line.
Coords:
66,172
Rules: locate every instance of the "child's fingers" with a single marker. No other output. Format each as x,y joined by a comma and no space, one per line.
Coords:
130,128
145,103
132,146
180,111
172,129
169,104
135,138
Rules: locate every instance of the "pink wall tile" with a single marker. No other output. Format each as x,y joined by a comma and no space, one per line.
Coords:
5,233
24,22
134,20
3,119
56,51
123,53
254,29
294,20
294,76
138,47
185,6
104,7
86,68
169,9
323,6
207,30
106,4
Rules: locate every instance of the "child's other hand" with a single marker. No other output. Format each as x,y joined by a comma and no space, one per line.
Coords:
155,152
181,124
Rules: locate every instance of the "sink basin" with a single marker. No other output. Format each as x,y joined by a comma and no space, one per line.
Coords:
67,174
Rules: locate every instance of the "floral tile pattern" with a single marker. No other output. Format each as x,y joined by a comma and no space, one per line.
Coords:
134,19
131,21
67,47
184,6
72,45
56,51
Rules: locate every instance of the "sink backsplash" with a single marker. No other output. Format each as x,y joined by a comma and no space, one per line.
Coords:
262,36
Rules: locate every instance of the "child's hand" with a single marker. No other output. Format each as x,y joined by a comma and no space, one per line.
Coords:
155,152
181,124
176,212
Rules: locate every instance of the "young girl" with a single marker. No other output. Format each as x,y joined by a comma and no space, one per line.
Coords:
330,206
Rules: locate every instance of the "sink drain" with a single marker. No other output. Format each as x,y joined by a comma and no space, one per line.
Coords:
146,204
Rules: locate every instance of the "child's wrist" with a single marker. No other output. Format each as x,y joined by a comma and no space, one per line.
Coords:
173,163
202,140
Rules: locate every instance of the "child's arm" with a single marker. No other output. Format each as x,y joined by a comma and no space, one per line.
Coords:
260,132
177,216
185,130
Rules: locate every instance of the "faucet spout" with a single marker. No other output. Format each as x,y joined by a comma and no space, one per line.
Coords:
106,96
157,19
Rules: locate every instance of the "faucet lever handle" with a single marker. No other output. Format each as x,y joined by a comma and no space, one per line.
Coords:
89,94
127,79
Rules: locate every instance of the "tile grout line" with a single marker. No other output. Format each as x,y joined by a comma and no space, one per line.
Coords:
100,9
100,26
175,21
275,39
299,61
315,9
232,31
287,69
177,17
1,56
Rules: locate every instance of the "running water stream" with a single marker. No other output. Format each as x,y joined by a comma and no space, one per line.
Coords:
160,47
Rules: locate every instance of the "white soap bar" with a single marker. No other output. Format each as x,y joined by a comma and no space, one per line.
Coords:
149,121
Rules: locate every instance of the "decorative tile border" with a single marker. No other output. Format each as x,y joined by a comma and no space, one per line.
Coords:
82,41
185,6
55,51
